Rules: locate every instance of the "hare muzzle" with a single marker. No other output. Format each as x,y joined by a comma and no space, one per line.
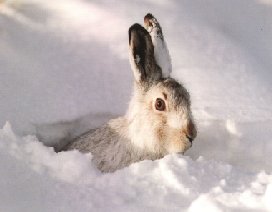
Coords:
190,131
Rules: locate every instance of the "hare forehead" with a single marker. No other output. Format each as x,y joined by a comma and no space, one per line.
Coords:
166,94
156,92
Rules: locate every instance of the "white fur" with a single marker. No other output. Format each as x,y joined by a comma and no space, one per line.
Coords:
141,132
162,55
161,51
134,68
175,121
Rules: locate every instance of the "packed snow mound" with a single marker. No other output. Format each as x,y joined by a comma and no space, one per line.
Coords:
43,180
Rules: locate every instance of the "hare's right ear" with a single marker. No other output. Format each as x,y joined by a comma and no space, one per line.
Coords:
142,58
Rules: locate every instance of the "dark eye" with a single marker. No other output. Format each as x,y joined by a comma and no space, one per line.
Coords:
160,104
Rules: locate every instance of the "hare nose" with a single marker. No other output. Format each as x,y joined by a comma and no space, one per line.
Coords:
191,130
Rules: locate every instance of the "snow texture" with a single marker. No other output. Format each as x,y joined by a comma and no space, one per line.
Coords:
64,69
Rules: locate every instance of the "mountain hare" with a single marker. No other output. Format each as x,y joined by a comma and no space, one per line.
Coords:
159,119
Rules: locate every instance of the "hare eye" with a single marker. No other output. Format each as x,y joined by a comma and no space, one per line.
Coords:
160,104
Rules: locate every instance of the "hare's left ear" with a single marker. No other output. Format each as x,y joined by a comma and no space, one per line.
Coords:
161,52
142,58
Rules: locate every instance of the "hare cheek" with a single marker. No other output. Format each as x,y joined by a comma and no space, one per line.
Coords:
174,121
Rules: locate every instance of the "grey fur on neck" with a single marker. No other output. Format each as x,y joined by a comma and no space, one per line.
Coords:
110,147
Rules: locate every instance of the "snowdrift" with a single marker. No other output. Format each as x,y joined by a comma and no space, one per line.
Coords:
38,179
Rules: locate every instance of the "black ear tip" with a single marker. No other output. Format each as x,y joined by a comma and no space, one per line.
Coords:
137,29
134,27
148,16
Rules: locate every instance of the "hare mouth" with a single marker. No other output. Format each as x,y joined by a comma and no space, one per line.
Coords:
190,139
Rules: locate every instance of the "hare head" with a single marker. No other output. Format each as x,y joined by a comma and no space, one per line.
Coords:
159,115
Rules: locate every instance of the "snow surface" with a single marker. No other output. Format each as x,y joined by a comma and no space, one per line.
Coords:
64,69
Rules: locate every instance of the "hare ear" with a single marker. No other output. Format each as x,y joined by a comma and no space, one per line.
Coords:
142,59
161,52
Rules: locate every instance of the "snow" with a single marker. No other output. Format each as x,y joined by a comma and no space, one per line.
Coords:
38,179
64,69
